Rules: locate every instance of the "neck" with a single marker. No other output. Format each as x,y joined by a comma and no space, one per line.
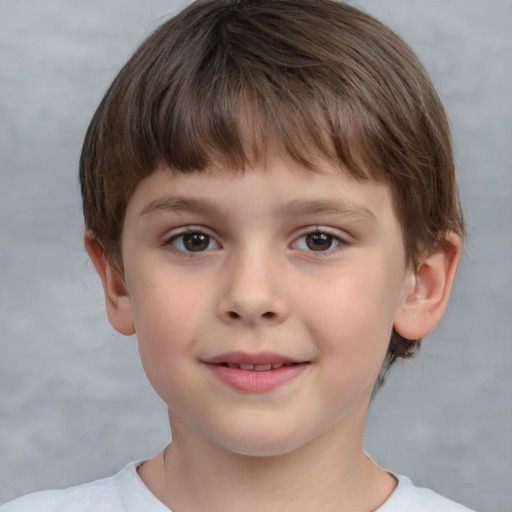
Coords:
196,474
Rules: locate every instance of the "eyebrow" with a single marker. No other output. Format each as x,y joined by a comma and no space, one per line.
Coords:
328,207
178,204
295,207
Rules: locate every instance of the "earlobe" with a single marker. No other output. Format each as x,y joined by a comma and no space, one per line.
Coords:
117,299
426,295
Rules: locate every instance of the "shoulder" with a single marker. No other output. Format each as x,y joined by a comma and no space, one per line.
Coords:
98,496
409,498
91,496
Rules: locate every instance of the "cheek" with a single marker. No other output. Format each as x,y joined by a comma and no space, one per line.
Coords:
165,303
352,323
167,318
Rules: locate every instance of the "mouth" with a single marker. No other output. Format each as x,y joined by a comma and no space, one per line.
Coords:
255,373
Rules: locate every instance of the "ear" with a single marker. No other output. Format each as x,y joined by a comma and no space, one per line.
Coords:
117,299
428,290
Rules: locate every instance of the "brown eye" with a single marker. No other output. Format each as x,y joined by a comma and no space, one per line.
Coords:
193,242
319,241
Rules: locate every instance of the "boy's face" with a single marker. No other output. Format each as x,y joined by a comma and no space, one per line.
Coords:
301,274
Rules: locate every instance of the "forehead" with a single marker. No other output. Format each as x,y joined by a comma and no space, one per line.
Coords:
278,187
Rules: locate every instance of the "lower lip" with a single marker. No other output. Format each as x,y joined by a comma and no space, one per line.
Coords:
253,381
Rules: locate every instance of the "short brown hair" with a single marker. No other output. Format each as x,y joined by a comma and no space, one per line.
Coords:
227,79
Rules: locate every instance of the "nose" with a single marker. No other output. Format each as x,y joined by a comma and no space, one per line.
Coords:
253,293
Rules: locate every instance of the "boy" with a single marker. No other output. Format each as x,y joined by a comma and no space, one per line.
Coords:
270,203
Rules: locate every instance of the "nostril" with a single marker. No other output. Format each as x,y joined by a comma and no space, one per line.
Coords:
269,315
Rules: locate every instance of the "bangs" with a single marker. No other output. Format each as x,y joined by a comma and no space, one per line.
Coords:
232,93
239,123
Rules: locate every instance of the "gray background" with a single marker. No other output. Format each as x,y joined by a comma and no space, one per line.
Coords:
74,403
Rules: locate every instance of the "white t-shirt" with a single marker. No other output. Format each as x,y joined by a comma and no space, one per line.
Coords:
125,492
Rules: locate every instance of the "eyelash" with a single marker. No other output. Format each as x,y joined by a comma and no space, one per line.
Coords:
333,238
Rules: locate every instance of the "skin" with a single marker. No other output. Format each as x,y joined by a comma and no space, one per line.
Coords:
258,281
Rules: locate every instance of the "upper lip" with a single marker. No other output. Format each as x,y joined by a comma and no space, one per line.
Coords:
248,358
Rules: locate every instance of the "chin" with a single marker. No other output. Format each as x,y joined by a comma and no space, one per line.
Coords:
259,445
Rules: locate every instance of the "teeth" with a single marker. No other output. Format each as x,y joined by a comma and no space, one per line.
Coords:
262,367
255,367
